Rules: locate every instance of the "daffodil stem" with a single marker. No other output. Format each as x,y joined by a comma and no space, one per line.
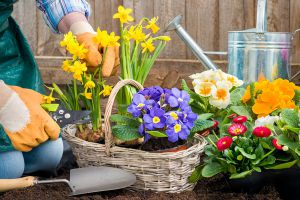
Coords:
215,134
75,94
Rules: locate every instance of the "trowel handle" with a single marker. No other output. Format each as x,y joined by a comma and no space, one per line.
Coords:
49,181
261,18
12,184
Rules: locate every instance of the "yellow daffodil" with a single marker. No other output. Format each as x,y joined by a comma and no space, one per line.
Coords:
113,40
123,14
89,84
67,66
49,99
164,38
68,38
137,34
148,45
101,38
152,25
87,95
106,90
78,69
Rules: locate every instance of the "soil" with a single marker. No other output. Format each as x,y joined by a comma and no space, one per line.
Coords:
215,188
156,144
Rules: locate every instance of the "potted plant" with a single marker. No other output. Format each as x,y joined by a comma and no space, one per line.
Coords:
162,117
259,132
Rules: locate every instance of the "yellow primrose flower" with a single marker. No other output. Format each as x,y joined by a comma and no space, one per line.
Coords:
89,84
148,45
113,40
152,25
106,90
124,15
205,89
67,66
220,97
101,38
88,95
49,99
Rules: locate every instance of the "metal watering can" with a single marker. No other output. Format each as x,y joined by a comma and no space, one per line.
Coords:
253,53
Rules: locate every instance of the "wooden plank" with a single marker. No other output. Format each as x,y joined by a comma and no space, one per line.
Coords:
167,10
25,15
141,8
250,13
295,24
104,11
279,15
231,18
202,23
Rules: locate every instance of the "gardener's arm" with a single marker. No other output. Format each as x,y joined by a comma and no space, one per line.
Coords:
63,16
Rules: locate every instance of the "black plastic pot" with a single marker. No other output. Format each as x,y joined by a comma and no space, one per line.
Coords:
287,182
250,184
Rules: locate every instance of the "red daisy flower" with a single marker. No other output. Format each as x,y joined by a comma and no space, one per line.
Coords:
232,116
216,123
240,119
261,131
224,143
237,129
276,145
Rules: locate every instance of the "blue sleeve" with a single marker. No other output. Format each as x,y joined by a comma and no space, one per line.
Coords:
55,10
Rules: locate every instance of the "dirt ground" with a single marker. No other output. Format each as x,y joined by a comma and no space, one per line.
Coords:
215,189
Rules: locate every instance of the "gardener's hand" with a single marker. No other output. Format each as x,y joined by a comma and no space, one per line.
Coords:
23,119
94,58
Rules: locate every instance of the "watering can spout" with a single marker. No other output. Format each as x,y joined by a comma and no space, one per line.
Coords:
175,24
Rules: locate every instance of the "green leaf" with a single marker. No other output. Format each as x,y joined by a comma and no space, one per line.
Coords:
205,116
201,125
236,96
297,97
258,169
284,140
290,117
241,175
50,107
212,169
193,95
283,165
252,93
125,133
268,161
121,119
157,134
293,129
196,175
241,110
259,152
247,155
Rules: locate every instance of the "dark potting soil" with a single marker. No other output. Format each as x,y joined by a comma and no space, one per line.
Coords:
215,188
160,144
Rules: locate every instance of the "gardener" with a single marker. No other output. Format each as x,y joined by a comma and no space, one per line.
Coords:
29,138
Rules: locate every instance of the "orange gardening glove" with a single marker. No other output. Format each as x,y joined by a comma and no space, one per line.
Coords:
94,58
25,122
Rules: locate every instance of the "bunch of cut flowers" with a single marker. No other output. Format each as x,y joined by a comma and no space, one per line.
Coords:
87,87
260,131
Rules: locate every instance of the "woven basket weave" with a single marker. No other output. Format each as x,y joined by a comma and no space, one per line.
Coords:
167,172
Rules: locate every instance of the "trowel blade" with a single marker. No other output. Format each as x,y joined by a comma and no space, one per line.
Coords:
97,179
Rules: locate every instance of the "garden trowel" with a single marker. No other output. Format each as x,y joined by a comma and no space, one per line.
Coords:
82,180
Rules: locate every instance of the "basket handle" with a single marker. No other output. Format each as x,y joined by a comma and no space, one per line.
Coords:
109,106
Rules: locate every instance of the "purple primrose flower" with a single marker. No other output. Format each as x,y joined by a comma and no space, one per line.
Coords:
139,103
143,132
153,93
176,131
178,98
155,119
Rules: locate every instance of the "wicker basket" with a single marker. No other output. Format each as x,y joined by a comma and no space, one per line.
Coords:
167,172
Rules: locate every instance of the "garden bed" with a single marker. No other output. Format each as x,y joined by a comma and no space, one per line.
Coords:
214,188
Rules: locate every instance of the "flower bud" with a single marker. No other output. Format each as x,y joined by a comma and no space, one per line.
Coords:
285,148
239,157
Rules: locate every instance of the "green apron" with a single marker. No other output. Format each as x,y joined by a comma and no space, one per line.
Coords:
17,64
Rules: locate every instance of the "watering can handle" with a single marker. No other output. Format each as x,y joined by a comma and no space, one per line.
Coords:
261,18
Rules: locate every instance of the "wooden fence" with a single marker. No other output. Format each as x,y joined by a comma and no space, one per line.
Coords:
207,21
